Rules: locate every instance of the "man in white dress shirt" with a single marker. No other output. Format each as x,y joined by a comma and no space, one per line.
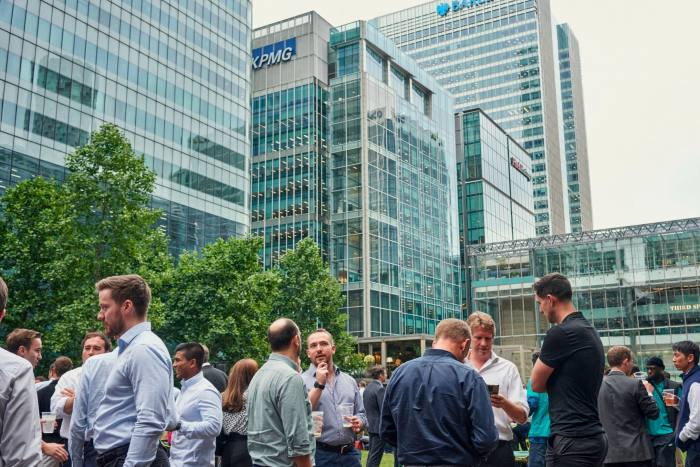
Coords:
198,409
20,431
94,343
508,396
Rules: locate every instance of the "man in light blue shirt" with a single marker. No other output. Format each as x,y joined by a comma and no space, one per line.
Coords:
198,409
90,392
134,411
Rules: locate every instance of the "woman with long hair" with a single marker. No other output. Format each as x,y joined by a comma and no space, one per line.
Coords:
235,424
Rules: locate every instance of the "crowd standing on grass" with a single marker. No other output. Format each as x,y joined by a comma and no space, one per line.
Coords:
457,405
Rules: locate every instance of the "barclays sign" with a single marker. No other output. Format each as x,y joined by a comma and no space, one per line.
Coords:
272,54
457,5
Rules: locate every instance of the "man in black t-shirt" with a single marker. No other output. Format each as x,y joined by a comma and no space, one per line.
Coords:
570,369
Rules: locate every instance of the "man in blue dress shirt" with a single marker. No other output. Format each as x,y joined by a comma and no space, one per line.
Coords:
198,409
134,411
437,410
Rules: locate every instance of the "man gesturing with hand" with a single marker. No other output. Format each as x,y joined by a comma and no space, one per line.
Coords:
336,394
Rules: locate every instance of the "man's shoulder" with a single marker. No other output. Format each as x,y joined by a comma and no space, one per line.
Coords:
12,365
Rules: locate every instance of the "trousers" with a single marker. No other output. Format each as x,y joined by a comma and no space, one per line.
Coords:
563,451
117,456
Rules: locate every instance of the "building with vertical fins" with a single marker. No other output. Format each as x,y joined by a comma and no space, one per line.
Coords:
499,56
578,182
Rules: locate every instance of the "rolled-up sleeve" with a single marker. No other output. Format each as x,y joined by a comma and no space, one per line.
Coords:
484,435
294,409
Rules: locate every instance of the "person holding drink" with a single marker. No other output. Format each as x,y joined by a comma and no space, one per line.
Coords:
666,394
337,395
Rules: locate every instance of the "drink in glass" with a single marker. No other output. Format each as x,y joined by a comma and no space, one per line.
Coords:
669,397
346,412
48,420
317,418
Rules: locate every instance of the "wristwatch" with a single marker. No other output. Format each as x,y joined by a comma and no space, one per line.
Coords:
320,386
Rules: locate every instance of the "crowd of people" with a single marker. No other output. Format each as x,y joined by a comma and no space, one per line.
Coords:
459,404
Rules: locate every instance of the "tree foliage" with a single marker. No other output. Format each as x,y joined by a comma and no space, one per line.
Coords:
59,239
222,297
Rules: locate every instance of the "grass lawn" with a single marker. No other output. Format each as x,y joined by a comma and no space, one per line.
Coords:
387,459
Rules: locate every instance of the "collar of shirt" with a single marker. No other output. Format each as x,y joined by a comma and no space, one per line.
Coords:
438,353
206,364
284,359
131,334
187,383
493,360
616,372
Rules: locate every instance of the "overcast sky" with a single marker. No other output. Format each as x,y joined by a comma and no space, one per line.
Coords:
641,86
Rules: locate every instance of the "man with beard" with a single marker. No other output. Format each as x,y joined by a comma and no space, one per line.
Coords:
661,430
437,410
337,395
570,369
134,411
280,430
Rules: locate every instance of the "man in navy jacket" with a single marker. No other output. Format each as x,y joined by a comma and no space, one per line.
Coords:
437,410
685,358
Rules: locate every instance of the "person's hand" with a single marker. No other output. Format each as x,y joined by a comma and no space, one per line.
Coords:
356,424
68,392
498,401
322,373
55,450
648,387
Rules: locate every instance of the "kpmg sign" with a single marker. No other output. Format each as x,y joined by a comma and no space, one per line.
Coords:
279,52
456,5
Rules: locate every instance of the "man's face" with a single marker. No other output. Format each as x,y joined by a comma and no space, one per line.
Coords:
184,368
93,346
547,304
655,373
31,354
111,314
482,342
320,348
682,361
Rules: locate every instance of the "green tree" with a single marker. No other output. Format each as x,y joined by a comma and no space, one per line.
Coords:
223,298
59,239
312,297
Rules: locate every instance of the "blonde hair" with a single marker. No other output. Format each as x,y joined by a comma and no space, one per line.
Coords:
481,320
453,329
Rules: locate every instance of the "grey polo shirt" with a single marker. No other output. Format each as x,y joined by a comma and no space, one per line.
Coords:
342,389
279,415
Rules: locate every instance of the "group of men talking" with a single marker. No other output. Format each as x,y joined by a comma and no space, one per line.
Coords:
453,406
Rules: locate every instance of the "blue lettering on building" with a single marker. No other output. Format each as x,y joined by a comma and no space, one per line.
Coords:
456,5
279,52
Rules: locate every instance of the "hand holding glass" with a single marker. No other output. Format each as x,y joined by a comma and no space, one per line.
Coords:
48,421
670,398
317,418
346,412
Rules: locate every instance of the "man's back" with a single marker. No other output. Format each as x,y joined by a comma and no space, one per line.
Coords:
20,440
279,415
215,376
624,404
373,398
573,348
437,411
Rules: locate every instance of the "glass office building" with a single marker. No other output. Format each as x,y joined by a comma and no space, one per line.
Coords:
500,56
394,240
578,185
638,285
289,195
494,186
174,75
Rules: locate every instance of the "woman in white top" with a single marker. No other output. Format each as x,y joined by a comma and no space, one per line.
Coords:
235,424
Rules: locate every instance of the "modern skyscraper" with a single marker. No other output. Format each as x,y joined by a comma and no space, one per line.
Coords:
578,184
174,75
500,56
393,187
289,195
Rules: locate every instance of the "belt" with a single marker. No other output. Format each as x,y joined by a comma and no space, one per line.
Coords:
342,449
112,454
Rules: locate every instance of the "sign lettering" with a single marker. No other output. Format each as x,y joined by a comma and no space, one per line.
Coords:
457,5
520,167
272,54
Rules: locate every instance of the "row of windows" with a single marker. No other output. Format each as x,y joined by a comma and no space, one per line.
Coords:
131,72
176,55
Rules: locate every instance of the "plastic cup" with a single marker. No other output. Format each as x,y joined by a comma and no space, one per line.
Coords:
346,412
640,375
317,418
48,421
669,397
